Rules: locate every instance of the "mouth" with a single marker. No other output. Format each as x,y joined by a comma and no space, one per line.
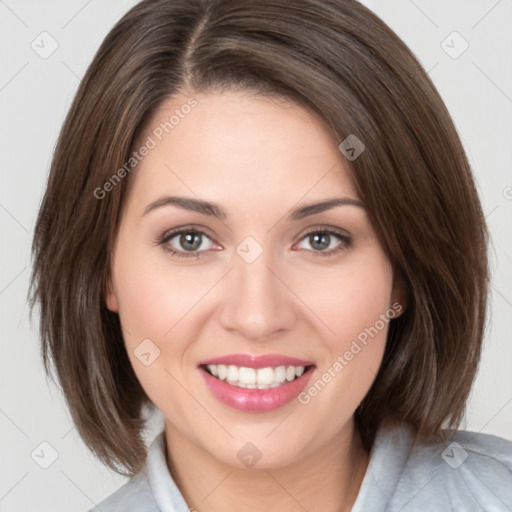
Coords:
255,378
258,384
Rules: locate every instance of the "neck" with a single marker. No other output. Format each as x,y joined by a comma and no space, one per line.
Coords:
328,479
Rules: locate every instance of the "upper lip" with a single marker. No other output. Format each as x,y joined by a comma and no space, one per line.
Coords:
253,361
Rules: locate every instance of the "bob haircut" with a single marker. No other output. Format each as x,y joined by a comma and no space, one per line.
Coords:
342,63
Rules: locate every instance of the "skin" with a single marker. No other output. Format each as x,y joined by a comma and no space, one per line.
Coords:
257,158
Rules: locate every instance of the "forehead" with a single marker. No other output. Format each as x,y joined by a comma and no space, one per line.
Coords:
236,147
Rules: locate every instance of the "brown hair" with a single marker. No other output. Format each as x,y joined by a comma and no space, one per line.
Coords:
340,61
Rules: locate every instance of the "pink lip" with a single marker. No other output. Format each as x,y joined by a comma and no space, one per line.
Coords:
256,400
251,361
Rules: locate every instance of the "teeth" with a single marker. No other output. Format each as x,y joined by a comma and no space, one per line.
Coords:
247,376
265,376
280,374
222,371
251,378
232,373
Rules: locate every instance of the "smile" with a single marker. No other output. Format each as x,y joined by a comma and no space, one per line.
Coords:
256,383
251,378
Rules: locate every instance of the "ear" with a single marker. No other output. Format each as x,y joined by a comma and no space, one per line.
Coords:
111,296
399,295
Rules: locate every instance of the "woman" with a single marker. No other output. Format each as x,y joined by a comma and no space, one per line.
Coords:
261,221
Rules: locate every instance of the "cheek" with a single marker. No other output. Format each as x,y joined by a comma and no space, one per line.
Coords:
159,302
354,306
154,303
155,295
350,298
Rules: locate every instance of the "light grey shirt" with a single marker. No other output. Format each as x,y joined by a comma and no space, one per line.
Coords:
472,472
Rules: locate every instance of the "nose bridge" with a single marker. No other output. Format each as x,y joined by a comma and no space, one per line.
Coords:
257,303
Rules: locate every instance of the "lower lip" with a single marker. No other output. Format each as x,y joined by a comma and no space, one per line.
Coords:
256,400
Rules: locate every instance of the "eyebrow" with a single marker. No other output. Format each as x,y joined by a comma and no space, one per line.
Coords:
214,210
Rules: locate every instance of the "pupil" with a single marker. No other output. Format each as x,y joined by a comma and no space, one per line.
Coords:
190,241
319,241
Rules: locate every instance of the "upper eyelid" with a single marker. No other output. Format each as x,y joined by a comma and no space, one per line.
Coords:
171,233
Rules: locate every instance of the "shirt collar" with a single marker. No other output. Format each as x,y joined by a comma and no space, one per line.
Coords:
165,491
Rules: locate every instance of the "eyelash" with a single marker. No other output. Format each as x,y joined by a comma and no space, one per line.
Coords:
346,241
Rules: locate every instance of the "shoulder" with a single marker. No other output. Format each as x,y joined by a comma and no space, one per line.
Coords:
134,496
461,471
466,471
151,490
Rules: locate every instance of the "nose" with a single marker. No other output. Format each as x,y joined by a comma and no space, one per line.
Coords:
259,303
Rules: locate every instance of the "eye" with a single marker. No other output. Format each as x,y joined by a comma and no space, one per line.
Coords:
191,242
321,239
185,242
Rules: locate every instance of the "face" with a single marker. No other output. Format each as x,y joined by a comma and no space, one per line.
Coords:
253,288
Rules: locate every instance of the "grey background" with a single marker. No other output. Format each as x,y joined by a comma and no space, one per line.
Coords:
35,94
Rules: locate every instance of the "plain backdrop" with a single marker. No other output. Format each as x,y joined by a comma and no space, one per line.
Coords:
35,93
